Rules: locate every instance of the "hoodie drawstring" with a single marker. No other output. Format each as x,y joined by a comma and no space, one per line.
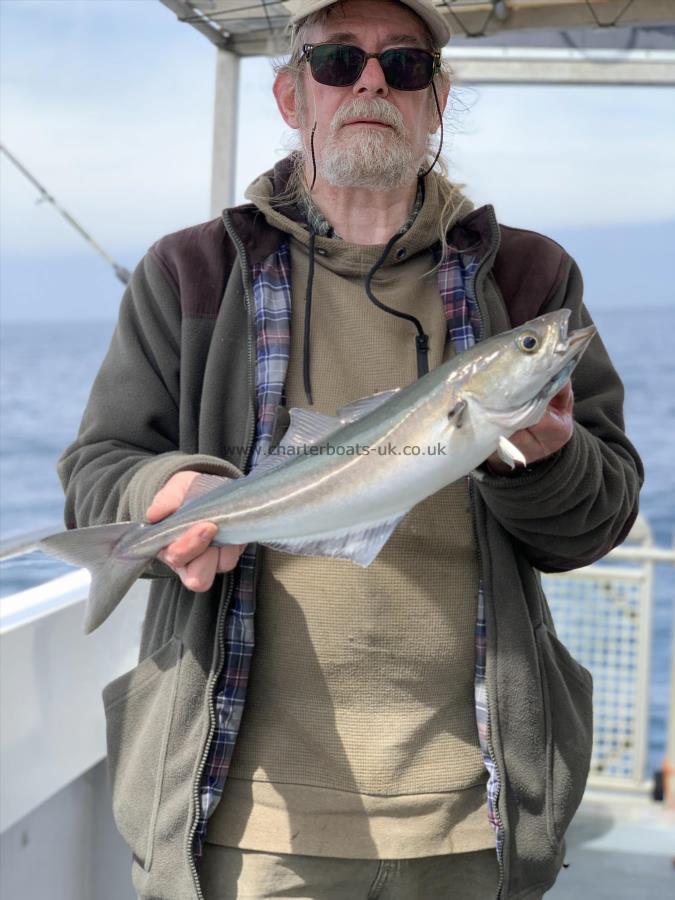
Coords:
308,316
421,339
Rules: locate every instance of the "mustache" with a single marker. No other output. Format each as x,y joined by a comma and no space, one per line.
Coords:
361,108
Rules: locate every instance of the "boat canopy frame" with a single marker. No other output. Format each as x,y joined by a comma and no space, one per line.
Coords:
620,42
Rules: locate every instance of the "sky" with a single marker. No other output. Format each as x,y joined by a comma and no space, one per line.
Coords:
110,104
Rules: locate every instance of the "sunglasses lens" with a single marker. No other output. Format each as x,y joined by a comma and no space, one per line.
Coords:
407,69
336,64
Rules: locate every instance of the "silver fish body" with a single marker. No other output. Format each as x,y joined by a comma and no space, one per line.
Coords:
351,478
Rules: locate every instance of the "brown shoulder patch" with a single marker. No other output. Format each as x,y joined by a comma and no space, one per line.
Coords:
195,261
528,268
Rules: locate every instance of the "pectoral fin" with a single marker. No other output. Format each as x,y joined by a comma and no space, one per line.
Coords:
509,453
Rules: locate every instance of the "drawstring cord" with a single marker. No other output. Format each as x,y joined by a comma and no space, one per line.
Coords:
311,144
308,315
421,339
440,143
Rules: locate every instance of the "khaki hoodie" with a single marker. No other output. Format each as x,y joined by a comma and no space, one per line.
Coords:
359,737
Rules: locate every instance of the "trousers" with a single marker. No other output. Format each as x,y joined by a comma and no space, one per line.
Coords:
230,873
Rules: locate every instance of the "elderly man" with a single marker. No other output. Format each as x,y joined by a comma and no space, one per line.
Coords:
409,730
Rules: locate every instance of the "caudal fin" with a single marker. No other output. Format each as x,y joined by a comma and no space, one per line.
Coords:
94,549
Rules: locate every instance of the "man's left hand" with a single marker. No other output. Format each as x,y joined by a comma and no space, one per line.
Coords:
551,432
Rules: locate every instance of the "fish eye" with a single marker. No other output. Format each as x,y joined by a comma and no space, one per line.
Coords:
528,342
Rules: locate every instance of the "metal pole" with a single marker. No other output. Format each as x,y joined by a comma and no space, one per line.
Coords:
224,131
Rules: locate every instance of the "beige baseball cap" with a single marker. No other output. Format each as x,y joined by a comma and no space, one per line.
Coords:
425,9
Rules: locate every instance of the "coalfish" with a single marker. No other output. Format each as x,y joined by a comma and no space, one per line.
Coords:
338,486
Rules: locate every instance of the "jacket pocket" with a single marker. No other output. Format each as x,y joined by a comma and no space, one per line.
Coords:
139,709
568,709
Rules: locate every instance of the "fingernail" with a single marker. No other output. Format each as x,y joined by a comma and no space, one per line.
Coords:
206,533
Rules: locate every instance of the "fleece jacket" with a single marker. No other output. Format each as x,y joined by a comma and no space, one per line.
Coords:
177,391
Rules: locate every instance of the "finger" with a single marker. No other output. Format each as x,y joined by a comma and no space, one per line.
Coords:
564,399
228,556
168,499
198,575
190,544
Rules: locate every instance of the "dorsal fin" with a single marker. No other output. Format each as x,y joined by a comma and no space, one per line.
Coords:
306,429
357,409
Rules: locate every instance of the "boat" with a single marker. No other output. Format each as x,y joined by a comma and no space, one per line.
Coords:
58,840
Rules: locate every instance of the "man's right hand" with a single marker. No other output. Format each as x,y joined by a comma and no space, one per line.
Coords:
191,556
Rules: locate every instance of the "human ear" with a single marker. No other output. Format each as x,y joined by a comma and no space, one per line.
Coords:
286,95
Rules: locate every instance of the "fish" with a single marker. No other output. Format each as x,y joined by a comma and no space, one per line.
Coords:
339,485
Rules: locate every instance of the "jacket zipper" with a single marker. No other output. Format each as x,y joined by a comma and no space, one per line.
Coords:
490,748
214,676
196,798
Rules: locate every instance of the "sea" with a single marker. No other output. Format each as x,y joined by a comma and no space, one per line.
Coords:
47,368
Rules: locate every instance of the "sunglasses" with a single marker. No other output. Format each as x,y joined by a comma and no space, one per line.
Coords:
404,68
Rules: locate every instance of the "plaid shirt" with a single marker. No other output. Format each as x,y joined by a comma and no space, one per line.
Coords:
272,297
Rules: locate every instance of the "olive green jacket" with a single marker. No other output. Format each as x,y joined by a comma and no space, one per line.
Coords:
177,391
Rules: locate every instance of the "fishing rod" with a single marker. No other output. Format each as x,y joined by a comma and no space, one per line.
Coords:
123,274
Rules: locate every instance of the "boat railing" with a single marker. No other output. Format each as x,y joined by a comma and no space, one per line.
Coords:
604,615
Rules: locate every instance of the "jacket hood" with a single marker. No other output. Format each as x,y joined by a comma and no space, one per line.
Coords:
269,193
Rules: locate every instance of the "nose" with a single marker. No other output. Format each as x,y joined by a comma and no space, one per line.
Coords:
372,80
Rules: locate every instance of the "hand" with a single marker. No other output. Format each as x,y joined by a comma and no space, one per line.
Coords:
551,432
190,556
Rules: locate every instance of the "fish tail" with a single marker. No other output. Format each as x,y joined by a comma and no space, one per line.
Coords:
112,574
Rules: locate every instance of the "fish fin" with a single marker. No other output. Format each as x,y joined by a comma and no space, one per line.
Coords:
456,414
357,409
204,484
94,549
358,546
306,428
509,453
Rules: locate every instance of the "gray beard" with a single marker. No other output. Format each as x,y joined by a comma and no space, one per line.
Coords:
372,158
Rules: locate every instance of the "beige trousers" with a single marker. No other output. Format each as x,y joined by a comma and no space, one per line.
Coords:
228,873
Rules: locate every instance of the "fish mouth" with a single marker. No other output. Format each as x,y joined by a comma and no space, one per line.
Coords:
571,348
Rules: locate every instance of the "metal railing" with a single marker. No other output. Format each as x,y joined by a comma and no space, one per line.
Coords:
603,615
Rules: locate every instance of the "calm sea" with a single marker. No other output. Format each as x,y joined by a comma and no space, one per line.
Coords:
47,368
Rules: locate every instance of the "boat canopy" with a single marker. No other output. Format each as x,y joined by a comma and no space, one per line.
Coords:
611,42
257,27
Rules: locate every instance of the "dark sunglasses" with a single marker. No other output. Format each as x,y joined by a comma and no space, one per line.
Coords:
404,68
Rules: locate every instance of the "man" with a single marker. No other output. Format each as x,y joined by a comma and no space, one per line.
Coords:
414,729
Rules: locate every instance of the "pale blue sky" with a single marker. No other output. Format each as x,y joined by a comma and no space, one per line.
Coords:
110,104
